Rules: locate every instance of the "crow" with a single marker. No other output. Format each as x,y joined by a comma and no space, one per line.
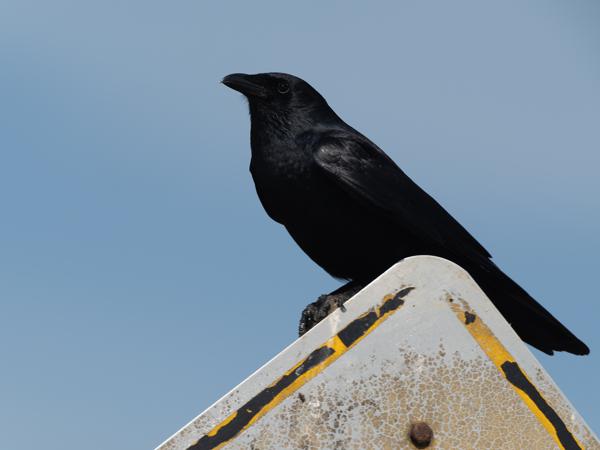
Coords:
355,213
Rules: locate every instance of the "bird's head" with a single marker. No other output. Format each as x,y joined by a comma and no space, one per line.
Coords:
278,95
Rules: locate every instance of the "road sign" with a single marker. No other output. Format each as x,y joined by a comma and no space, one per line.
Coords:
420,358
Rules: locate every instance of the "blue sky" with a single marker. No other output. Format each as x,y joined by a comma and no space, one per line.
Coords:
139,277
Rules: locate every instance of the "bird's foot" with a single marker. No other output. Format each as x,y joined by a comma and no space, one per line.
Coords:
325,305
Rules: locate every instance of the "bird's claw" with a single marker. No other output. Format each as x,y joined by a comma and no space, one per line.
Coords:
325,305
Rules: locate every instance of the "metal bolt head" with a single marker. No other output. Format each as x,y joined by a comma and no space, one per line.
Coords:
420,434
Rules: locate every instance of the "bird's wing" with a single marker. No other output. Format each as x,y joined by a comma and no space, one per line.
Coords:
365,172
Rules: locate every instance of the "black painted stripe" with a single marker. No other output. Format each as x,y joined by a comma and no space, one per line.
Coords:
515,375
357,328
395,302
350,334
256,404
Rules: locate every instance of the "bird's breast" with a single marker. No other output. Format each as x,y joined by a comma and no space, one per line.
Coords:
283,183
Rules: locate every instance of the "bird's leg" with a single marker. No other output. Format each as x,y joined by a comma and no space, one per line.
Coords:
326,304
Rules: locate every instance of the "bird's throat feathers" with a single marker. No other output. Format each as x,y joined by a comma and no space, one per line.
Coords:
283,126
270,123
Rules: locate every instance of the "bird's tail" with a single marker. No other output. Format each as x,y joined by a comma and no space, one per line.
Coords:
532,322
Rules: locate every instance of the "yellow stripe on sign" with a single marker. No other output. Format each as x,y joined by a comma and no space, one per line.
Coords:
501,358
334,344
300,374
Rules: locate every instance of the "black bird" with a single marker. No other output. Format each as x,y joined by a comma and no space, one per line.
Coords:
355,212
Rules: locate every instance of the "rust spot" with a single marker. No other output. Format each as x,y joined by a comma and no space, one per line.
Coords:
420,434
469,317
301,397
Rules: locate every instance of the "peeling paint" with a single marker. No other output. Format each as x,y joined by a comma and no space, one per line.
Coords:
442,357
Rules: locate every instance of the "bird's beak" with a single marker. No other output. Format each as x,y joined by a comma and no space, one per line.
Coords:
246,84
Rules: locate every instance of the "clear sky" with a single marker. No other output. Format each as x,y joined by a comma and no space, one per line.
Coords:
140,278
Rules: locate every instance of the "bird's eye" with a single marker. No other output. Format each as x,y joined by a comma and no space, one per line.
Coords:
283,87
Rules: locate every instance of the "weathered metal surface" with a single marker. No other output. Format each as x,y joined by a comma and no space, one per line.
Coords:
419,350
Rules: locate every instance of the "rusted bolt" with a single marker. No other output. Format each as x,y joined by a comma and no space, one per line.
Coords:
420,434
